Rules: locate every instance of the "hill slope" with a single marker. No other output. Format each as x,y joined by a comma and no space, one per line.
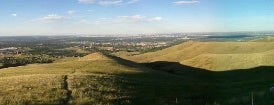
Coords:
216,56
55,83
93,79
98,79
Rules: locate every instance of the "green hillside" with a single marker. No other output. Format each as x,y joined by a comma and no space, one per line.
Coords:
108,80
215,56
55,83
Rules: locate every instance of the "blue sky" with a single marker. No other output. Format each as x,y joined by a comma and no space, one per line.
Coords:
58,17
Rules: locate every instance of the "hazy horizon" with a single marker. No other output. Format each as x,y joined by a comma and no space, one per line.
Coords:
94,17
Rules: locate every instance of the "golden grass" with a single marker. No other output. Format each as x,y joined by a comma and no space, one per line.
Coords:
96,89
223,62
65,59
98,80
31,89
93,63
43,83
216,56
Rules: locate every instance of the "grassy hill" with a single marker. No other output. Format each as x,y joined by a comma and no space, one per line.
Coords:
52,83
93,79
108,80
215,56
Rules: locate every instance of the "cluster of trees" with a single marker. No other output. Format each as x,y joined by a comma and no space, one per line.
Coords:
20,61
56,52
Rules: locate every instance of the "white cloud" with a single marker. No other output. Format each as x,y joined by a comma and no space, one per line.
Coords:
128,19
51,18
90,10
186,2
83,21
133,18
108,2
71,12
14,14
132,1
105,21
156,19
87,1
139,18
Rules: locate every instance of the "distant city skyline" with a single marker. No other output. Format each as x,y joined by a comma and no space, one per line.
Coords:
71,17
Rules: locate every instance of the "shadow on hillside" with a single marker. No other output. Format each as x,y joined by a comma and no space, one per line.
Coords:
177,68
173,67
169,67
195,86
180,69
126,62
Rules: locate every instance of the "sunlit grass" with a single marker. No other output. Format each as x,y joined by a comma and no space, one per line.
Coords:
31,89
215,56
99,80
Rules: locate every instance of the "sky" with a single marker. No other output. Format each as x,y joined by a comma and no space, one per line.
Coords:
91,17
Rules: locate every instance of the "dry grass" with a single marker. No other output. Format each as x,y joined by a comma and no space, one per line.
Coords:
44,83
31,89
94,63
66,59
223,62
56,68
96,89
216,56
99,80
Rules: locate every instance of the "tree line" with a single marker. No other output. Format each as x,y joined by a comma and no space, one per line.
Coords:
20,61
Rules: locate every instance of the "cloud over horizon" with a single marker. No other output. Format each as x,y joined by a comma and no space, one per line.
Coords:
50,18
108,2
128,19
184,2
139,18
14,14
87,1
71,12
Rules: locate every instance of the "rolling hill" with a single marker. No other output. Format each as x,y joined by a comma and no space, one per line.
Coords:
94,79
214,56
100,79
56,83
